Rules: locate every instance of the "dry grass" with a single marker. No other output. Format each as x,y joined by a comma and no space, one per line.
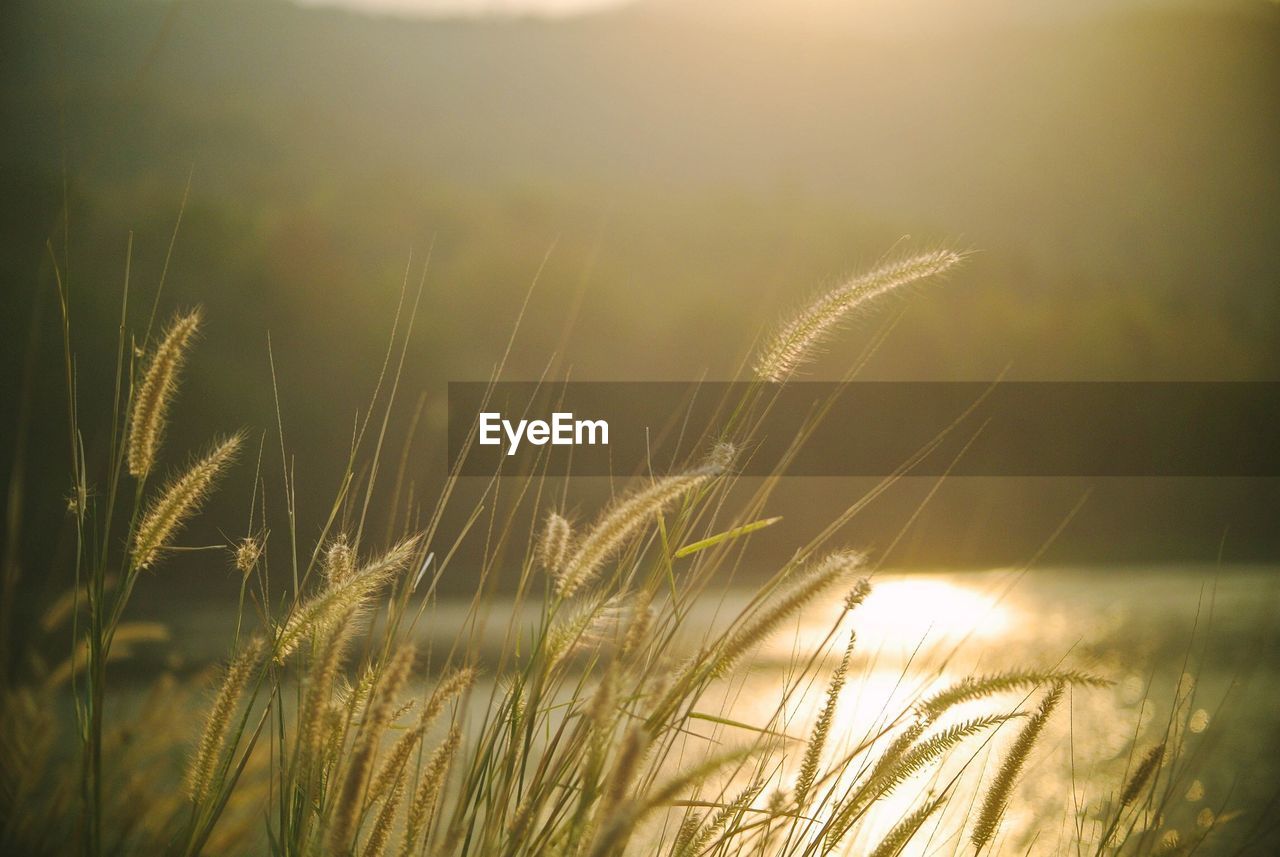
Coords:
588,736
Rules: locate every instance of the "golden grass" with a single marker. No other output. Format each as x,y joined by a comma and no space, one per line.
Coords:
586,737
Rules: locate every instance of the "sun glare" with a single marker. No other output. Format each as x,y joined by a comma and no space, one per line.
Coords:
905,611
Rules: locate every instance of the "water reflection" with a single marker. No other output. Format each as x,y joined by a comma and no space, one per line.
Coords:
905,614
1193,654
1181,646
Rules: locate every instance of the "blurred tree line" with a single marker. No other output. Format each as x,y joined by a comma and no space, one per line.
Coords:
680,183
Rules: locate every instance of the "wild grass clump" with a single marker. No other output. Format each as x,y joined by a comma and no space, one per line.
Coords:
600,728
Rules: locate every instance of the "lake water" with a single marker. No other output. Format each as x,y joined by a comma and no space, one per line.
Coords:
1195,646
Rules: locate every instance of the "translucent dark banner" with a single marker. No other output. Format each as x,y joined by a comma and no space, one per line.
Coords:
869,428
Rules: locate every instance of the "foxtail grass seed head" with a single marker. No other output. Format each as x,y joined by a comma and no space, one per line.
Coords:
701,837
200,772
151,402
554,544
997,797
588,625
1141,774
451,685
423,805
346,811
808,585
1195,792
247,553
179,499
902,759
618,819
897,838
600,711
321,678
686,836
857,594
638,627
619,524
974,688
630,756
721,458
798,341
376,844
818,737
339,561
339,599
393,767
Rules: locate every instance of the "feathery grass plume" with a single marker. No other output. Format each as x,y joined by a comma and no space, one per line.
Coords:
342,821
926,752
392,769
997,797
126,635
796,342
720,459
902,760
376,844
151,405
857,594
339,561
553,546
897,838
973,688
323,674
333,723
818,739
209,749
1141,774
622,817
517,694
247,553
586,625
179,499
897,748
518,828
430,785
630,755
638,627
355,696
600,712
335,602
810,583
700,838
451,684
686,835
598,722
626,517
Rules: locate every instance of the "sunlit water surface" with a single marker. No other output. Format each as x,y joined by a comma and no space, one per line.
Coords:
1192,650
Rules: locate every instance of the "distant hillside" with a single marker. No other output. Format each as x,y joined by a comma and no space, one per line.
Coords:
1117,173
